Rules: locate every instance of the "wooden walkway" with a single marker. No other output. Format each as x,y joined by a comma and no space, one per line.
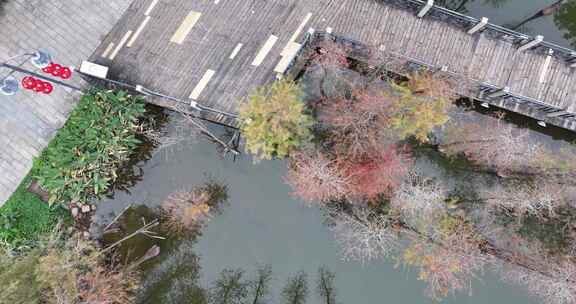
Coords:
215,52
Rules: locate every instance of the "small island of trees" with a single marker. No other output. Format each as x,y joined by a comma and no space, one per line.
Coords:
356,148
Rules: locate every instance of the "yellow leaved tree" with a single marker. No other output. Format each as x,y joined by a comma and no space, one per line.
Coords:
422,104
274,121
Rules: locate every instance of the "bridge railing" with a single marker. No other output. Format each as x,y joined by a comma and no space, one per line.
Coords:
492,30
483,89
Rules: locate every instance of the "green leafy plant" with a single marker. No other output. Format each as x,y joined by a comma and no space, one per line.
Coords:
82,161
274,121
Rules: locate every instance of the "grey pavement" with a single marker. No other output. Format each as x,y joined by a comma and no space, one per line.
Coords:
68,29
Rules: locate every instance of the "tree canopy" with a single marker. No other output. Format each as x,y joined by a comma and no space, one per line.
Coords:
274,121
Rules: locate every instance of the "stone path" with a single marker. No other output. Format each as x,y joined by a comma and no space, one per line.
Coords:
68,29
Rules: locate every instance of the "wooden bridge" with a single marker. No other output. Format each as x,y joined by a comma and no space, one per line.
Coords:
215,52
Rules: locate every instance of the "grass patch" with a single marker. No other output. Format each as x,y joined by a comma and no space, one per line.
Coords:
24,218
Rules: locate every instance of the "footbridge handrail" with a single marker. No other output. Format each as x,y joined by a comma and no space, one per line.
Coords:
493,30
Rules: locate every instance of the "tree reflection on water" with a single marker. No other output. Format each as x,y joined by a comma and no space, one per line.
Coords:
565,20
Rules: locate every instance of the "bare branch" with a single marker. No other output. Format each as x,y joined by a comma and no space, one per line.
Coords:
363,235
419,197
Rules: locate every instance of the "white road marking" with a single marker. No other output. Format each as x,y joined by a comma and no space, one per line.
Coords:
151,7
120,45
185,27
138,31
108,49
289,48
286,49
301,27
202,84
265,50
236,51
329,30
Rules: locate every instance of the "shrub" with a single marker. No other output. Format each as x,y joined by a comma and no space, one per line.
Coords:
65,269
81,162
274,121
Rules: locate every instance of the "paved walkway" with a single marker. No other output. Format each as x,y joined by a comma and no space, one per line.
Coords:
70,30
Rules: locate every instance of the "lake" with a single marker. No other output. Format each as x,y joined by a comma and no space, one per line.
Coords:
264,224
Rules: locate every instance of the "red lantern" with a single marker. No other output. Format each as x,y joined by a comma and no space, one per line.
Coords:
66,73
29,82
48,88
37,85
56,70
40,86
49,69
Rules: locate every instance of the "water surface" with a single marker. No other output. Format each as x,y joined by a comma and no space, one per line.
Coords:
264,224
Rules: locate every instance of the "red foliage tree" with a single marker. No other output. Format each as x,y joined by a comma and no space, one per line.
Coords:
358,126
377,173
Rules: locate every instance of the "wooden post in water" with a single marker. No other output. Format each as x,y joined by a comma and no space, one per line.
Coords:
482,24
537,40
424,10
